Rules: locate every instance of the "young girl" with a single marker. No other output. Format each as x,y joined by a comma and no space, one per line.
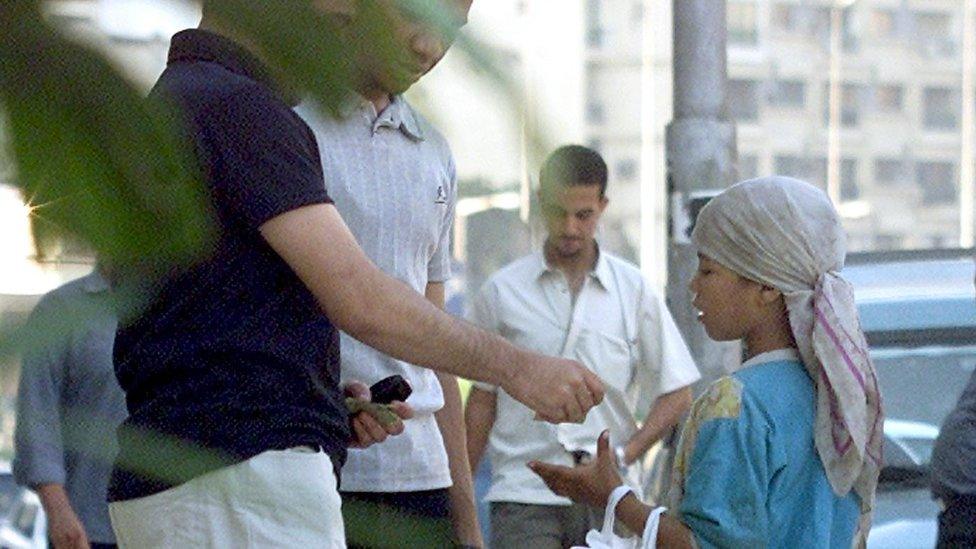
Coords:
786,451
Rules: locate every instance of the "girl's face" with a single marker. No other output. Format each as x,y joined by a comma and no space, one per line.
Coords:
729,305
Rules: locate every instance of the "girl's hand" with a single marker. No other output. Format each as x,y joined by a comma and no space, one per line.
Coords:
591,483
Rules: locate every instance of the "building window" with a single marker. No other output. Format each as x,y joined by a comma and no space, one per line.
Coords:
785,17
940,109
888,171
788,93
813,170
849,188
887,241
744,100
818,21
850,31
637,13
934,34
937,181
851,101
594,26
889,98
884,23
743,23
595,113
748,166
804,20
626,169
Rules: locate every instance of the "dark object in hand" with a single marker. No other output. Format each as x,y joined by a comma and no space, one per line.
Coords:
389,389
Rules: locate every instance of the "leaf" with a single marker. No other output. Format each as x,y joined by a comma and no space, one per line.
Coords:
93,158
303,44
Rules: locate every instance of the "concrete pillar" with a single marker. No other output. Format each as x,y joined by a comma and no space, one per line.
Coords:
701,157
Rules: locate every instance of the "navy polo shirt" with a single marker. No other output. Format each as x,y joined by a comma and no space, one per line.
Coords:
233,356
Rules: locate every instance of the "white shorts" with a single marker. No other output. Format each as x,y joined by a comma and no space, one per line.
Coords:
280,498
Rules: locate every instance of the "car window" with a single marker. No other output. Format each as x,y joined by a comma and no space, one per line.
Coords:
24,519
920,386
9,491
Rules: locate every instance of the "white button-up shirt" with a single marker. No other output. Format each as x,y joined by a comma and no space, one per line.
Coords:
618,327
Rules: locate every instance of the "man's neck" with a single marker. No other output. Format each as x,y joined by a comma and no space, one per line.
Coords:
574,266
214,26
380,99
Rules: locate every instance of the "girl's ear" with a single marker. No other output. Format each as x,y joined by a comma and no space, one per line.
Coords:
769,295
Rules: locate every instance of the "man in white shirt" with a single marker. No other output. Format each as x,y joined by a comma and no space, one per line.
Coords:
573,300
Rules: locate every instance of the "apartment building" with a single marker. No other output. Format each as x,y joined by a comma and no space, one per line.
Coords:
898,75
896,68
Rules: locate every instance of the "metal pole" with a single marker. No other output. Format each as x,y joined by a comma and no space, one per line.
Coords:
834,105
701,154
967,203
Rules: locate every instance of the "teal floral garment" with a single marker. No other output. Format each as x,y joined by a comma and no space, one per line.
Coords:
747,472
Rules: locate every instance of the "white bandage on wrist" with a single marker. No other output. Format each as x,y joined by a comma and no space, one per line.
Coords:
649,537
619,493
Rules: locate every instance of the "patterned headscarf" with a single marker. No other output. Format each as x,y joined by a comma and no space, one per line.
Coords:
785,233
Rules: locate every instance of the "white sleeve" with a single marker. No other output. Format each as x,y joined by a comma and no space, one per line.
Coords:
665,361
482,314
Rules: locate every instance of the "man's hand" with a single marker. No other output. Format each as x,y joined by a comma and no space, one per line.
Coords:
557,389
63,526
366,430
591,483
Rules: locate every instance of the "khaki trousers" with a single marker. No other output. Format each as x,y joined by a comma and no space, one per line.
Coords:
280,498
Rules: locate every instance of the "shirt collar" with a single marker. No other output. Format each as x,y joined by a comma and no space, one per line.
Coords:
201,45
601,271
779,355
398,114
95,283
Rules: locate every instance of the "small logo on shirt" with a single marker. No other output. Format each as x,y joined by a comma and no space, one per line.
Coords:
441,195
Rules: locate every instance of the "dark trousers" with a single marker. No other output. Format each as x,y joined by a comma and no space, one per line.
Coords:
398,519
957,524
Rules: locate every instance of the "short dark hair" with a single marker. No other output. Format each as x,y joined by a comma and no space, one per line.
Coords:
574,165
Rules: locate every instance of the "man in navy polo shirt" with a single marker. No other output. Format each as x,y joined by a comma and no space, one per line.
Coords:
231,374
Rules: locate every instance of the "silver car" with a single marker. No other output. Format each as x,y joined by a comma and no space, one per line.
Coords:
919,312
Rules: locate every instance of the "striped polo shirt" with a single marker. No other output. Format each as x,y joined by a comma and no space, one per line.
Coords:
393,180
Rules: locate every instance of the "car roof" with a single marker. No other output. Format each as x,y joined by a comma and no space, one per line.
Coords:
914,290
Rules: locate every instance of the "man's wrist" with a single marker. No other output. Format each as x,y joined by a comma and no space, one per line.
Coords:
500,359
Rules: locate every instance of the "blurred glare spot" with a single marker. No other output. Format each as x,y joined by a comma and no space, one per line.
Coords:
146,20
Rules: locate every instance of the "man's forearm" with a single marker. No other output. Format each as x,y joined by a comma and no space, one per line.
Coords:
479,417
664,415
53,497
392,318
378,310
451,422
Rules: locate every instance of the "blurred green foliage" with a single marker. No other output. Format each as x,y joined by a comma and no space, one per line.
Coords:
98,163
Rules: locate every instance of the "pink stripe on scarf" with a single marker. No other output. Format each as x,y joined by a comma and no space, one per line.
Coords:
840,447
833,337
854,342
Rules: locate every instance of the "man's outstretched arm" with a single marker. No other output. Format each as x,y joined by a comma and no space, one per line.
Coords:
450,420
387,315
663,416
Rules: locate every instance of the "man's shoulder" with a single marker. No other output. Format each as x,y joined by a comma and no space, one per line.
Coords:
202,86
622,265
431,134
64,293
516,272
65,301
627,274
